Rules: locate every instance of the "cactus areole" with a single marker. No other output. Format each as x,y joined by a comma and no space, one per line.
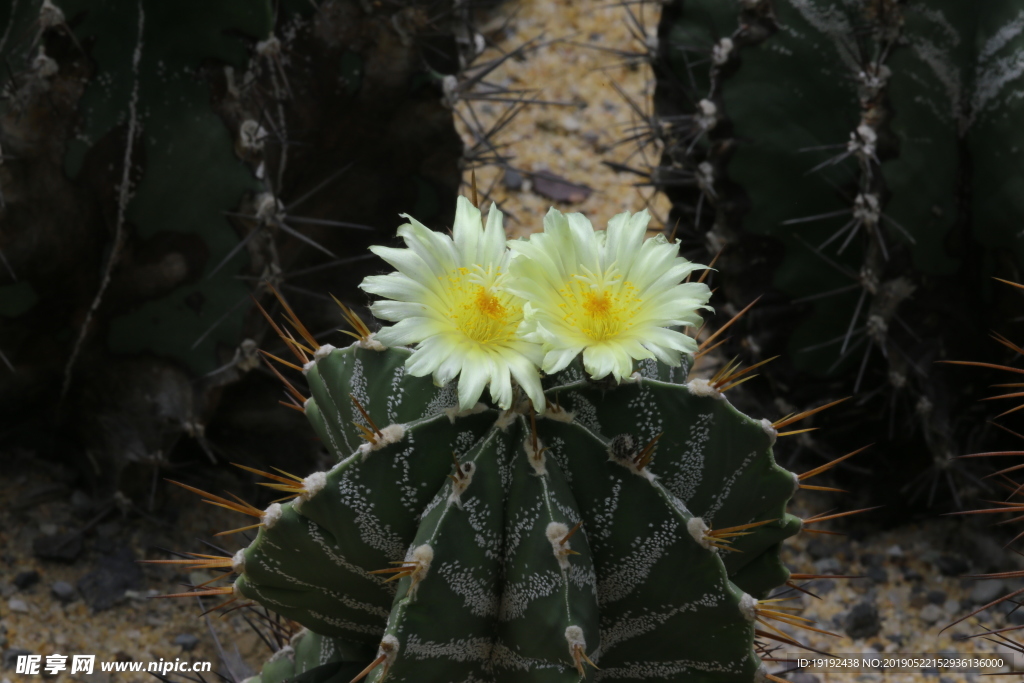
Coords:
596,536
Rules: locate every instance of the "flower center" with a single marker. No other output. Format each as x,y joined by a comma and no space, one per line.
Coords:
480,308
489,305
597,305
602,306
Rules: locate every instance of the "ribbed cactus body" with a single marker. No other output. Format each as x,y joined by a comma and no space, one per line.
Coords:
527,544
857,163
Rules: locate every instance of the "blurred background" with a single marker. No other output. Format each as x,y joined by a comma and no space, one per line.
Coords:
853,167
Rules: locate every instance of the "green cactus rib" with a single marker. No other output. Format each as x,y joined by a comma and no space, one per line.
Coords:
543,548
312,658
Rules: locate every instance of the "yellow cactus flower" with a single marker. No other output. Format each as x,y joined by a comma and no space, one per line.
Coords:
450,298
609,294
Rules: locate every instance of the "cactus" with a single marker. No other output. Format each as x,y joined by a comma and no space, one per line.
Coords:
628,528
164,163
855,161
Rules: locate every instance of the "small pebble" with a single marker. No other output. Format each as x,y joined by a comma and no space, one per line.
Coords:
862,621
828,565
25,580
63,591
186,641
985,592
936,597
918,600
513,179
931,613
952,606
894,551
570,124
877,574
16,605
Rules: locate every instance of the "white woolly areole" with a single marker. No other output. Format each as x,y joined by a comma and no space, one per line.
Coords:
555,532
454,413
463,478
286,651
721,51
371,343
702,387
421,556
761,675
313,484
558,414
389,649
796,481
748,607
271,515
536,458
323,352
505,419
388,435
698,528
574,637
306,367
238,561
772,433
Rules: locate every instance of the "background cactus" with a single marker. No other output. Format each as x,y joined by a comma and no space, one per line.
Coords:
632,525
164,163
856,161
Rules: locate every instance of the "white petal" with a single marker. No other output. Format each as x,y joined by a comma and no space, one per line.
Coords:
466,230
525,373
435,249
557,360
493,246
599,360
474,376
405,332
585,241
428,356
501,382
398,310
625,237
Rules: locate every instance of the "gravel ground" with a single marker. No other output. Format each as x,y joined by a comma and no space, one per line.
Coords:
912,586
105,605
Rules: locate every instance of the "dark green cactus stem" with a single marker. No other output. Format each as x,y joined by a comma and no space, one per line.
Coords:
548,548
855,160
